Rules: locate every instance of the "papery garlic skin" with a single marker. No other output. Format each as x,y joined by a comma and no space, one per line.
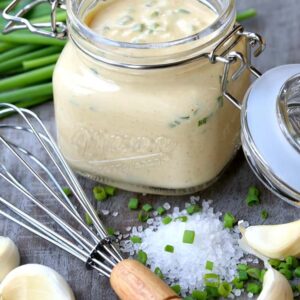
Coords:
9,256
274,241
35,282
275,287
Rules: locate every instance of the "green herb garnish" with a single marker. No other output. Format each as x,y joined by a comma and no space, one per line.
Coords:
176,288
88,219
99,193
188,237
160,210
166,220
142,257
169,248
159,273
252,196
143,216
264,215
209,265
147,207
67,191
224,289
133,203
136,239
193,208
229,220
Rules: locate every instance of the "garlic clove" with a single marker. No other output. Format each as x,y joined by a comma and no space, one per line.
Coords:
35,282
9,256
274,241
275,287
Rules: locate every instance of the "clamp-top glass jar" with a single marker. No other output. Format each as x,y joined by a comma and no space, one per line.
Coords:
149,117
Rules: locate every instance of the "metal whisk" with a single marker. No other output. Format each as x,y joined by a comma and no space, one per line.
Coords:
93,246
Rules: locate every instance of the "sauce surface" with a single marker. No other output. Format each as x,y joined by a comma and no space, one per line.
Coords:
149,21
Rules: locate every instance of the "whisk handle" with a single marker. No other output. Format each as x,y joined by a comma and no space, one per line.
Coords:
133,281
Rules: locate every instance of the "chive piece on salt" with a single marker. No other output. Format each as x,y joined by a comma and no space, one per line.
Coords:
209,265
243,276
88,219
142,257
229,220
67,191
159,273
254,288
224,289
238,283
292,261
297,272
147,207
110,190
160,210
99,193
212,280
169,248
254,273
287,273
262,275
199,295
193,208
166,220
182,218
136,239
133,203
242,267
188,237
274,262
143,216
176,288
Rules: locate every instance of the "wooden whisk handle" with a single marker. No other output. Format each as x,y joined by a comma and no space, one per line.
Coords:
133,281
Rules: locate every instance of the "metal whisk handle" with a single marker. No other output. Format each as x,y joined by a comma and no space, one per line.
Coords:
133,281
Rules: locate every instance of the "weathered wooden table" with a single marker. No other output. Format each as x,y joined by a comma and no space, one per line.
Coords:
279,22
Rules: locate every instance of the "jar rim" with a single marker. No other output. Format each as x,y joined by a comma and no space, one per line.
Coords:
223,19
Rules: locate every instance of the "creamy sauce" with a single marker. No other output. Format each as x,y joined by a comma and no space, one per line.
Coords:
146,130
144,21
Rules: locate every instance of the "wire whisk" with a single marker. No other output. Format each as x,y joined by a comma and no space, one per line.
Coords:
91,244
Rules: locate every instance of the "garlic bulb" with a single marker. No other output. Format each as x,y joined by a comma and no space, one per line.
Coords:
275,287
274,241
9,256
35,282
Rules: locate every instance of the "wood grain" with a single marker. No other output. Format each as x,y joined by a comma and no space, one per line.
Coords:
279,22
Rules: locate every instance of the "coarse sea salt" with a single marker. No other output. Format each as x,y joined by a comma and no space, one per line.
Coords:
186,266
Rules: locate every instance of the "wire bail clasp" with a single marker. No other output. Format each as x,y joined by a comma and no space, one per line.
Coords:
254,42
17,21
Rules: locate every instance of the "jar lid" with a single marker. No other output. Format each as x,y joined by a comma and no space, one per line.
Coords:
271,131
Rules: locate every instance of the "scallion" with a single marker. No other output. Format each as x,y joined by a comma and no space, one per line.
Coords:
99,193
188,237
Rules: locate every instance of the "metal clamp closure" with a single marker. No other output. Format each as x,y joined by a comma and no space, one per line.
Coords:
16,21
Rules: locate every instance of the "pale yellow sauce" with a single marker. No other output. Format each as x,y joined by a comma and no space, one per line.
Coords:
167,128
145,21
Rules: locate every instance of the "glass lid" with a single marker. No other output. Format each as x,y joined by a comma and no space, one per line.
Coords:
271,131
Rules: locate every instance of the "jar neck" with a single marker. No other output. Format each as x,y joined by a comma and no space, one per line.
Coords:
143,56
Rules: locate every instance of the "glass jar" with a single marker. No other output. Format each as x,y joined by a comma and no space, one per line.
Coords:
149,117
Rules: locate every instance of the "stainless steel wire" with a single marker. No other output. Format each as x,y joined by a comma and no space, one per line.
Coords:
90,245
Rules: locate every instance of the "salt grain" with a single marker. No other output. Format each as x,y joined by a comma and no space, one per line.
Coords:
167,206
105,212
115,214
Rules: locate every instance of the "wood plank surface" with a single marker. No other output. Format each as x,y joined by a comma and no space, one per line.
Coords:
279,22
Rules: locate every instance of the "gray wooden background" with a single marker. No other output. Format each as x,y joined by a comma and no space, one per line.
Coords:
279,22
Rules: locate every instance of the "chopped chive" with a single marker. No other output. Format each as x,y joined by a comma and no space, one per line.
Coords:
287,273
262,275
110,190
254,288
154,14
142,257
254,273
242,267
209,265
229,220
67,191
143,216
159,273
139,27
284,265
264,215
188,237
147,207
99,193
136,239
224,289
193,208
292,261
160,210
238,283
133,203
211,279
252,196
243,276
110,231
88,219
297,272
182,218
274,263
169,248
166,220
246,14
176,288
125,20
212,292
199,295
183,11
